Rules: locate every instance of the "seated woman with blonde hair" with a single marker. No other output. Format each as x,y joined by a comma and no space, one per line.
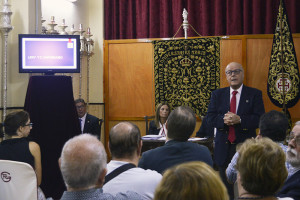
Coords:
158,125
16,146
194,181
261,169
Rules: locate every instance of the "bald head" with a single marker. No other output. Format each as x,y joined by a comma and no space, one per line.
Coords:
124,140
83,159
234,75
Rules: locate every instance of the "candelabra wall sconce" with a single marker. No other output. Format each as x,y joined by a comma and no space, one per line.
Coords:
82,53
63,27
89,53
5,28
86,47
52,24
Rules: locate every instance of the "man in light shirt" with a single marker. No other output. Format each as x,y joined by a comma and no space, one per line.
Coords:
125,145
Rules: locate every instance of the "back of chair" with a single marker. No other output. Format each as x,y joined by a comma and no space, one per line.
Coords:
147,118
18,181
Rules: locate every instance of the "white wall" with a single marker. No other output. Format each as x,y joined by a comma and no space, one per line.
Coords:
86,12
90,14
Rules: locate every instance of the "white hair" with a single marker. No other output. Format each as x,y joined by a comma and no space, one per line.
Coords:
83,158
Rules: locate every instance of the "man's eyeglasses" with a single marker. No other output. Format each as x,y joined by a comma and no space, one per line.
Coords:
79,107
230,72
293,137
30,124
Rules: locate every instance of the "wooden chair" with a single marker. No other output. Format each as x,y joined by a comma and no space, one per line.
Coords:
18,181
147,120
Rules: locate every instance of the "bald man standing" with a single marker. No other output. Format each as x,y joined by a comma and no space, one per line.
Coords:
235,112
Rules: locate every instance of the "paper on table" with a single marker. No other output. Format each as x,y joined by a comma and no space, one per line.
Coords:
196,139
162,138
151,137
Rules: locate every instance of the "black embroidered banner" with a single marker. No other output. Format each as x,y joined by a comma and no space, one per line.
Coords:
186,72
283,78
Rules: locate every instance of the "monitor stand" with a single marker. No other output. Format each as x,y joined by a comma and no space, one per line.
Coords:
49,74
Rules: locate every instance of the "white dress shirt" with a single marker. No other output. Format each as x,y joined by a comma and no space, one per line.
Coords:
82,122
238,96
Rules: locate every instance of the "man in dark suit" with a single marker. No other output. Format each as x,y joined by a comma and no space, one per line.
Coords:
291,187
180,125
88,123
235,112
205,130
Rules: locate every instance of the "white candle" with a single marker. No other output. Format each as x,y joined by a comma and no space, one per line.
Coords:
88,30
52,18
63,22
80,26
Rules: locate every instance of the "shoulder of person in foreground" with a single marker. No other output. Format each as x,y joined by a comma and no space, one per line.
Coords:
143,159
291,187
129,195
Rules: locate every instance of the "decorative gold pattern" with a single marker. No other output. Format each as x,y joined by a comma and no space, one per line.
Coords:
186,72
283,78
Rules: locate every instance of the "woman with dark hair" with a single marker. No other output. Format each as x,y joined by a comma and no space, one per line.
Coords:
158,125
16,146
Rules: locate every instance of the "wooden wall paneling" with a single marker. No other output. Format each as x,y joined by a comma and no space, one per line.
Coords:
295,111
131,80
258,61
129,83
259,53
230,50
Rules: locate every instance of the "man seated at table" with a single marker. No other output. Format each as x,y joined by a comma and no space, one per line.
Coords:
181,125
125,146
88,123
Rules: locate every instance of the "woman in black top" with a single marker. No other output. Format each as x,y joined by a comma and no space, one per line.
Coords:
16,146
158,126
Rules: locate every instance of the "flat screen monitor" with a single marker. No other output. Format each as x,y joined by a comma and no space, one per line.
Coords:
49,54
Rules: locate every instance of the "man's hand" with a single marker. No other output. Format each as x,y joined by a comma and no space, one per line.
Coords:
231,119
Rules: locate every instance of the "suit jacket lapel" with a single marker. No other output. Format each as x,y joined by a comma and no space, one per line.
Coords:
243,100
227,99
87,119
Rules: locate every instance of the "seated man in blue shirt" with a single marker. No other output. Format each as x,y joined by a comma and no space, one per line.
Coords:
274,125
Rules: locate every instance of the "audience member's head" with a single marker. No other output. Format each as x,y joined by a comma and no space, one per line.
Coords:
16,123
181,123
261,168
125,140
293,152
162,112
83,162
80,107
235,75
274,125
193,180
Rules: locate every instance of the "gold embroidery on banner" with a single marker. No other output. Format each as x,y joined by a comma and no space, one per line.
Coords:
283,81
186,72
